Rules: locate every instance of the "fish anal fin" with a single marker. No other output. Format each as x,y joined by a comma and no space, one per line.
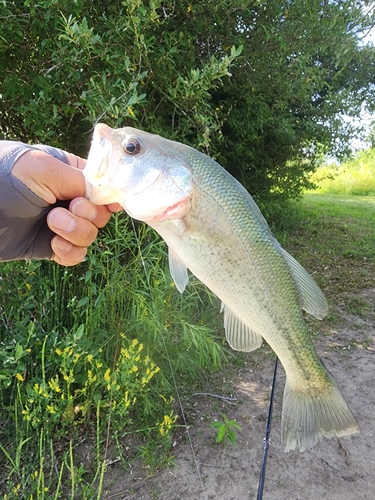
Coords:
239,336
313,300
178,270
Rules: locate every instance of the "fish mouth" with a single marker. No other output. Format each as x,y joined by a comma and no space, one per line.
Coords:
176,211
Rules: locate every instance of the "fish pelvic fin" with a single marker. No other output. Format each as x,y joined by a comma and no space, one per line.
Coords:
313,300
178,270
308,417
239,336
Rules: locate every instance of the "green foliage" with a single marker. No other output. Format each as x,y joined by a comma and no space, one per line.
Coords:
260,86
83,384
225,430
354,177
94,350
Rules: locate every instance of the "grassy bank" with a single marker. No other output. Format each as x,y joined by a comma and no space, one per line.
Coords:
333,236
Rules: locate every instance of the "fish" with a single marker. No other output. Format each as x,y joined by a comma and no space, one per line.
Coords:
214,229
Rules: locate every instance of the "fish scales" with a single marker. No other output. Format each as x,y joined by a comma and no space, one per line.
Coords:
213,227
220,227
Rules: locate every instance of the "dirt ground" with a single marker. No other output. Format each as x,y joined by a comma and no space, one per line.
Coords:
337,469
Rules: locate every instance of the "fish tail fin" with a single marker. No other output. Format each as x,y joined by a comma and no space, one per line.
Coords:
311,415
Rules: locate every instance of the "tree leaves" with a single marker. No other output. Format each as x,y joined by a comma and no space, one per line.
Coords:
260,86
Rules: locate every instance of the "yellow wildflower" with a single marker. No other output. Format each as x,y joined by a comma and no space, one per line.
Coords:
51,409
165,399
167,423
107,375
125,353
54,384
26,415
37,389
69,378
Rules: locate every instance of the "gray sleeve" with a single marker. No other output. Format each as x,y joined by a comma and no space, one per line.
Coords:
24,233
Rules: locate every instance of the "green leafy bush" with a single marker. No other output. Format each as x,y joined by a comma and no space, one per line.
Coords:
260,86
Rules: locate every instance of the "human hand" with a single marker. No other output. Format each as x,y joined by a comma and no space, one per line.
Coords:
75,229
53,180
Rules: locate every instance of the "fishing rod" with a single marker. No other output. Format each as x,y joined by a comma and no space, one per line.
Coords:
267,438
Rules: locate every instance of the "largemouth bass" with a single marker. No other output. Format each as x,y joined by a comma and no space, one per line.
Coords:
213,227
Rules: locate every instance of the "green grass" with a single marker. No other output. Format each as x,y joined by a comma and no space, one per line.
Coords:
354,177
333,236
350,217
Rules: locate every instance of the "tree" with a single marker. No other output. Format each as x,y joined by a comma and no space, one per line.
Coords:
258,85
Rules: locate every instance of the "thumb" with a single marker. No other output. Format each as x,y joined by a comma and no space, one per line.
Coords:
50,178
70,182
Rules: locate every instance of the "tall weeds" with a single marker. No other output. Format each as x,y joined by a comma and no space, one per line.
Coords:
94,350
354,177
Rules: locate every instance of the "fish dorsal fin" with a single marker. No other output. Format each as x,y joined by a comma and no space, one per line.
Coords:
313,299
178,270
239,336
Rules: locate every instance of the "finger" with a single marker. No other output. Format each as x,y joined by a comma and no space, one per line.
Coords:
114,207
98,215
65,253
75,161
78,231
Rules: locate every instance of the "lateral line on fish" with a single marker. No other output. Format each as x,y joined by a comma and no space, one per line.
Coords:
171,370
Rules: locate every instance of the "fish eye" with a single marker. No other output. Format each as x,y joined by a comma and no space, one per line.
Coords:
132,146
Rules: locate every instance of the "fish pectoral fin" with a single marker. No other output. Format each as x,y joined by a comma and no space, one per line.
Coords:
178,270
313,299
239,336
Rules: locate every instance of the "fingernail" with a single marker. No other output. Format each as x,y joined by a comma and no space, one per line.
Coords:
60,219
62,245
83,208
